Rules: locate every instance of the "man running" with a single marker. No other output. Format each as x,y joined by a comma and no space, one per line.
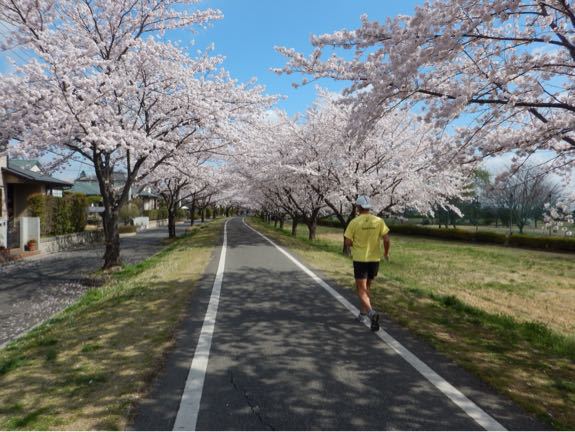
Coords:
363,235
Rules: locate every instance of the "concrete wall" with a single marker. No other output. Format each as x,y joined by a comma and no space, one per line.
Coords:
158,223
70,241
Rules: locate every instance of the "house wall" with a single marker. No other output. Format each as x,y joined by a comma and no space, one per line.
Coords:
3,191
21,194
149,203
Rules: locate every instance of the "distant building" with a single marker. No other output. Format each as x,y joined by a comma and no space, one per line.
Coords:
88,185
19,180
150,199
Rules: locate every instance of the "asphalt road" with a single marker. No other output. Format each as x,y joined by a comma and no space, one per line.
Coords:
33,290
285,355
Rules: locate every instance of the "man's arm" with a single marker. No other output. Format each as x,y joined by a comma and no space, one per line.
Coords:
386,246
347,242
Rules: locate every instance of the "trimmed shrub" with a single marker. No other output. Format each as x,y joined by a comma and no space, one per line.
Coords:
78,211
128,212
126,229
549,243
59,215
157,214
333,223
62,222
517,240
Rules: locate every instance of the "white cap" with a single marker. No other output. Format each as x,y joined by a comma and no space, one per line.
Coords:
363,202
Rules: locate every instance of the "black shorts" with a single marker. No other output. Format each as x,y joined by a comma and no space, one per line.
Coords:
365,270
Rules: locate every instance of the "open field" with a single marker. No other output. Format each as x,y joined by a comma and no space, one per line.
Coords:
87,366
527,285
527,230
504,314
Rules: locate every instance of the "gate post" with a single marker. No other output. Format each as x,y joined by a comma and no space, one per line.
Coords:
29,230
3,232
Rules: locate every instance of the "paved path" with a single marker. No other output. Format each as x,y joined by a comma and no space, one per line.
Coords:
33,290
286,355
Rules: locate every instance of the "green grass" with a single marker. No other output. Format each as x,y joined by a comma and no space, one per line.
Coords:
85,368
477,305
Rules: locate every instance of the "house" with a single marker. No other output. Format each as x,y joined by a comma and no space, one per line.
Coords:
150,200
88,185
19,179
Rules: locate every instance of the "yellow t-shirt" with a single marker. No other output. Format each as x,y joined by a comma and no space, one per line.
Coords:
366,231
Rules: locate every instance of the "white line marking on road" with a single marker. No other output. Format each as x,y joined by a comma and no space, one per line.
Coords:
471,409
187,416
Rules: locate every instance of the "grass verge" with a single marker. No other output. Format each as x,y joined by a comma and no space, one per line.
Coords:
86,367
525,360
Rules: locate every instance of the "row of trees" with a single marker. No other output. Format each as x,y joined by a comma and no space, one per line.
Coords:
102,88
310,166
510,199
504,67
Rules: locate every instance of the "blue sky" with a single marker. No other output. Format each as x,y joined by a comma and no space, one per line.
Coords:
251,28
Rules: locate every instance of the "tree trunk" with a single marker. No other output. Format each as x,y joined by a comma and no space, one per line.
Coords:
193,212
275,221
171,223
312,230
112,238
203,214
282,219
294,227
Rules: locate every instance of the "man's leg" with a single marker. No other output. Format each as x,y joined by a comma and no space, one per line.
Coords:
361,286
373,315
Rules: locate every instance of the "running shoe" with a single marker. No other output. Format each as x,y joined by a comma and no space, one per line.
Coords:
375,322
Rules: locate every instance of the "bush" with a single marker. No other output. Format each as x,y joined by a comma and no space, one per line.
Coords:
126,229
517,240
129,212
78,211
59,215
333,223
550,243
62,223
157,214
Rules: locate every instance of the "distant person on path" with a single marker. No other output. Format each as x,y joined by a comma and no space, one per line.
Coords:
363,235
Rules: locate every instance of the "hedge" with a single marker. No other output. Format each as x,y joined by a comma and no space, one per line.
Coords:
546,243
127,229
157,214
59,215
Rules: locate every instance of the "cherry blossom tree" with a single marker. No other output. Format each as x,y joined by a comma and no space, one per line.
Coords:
499,71
559,218
312,166
101,87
